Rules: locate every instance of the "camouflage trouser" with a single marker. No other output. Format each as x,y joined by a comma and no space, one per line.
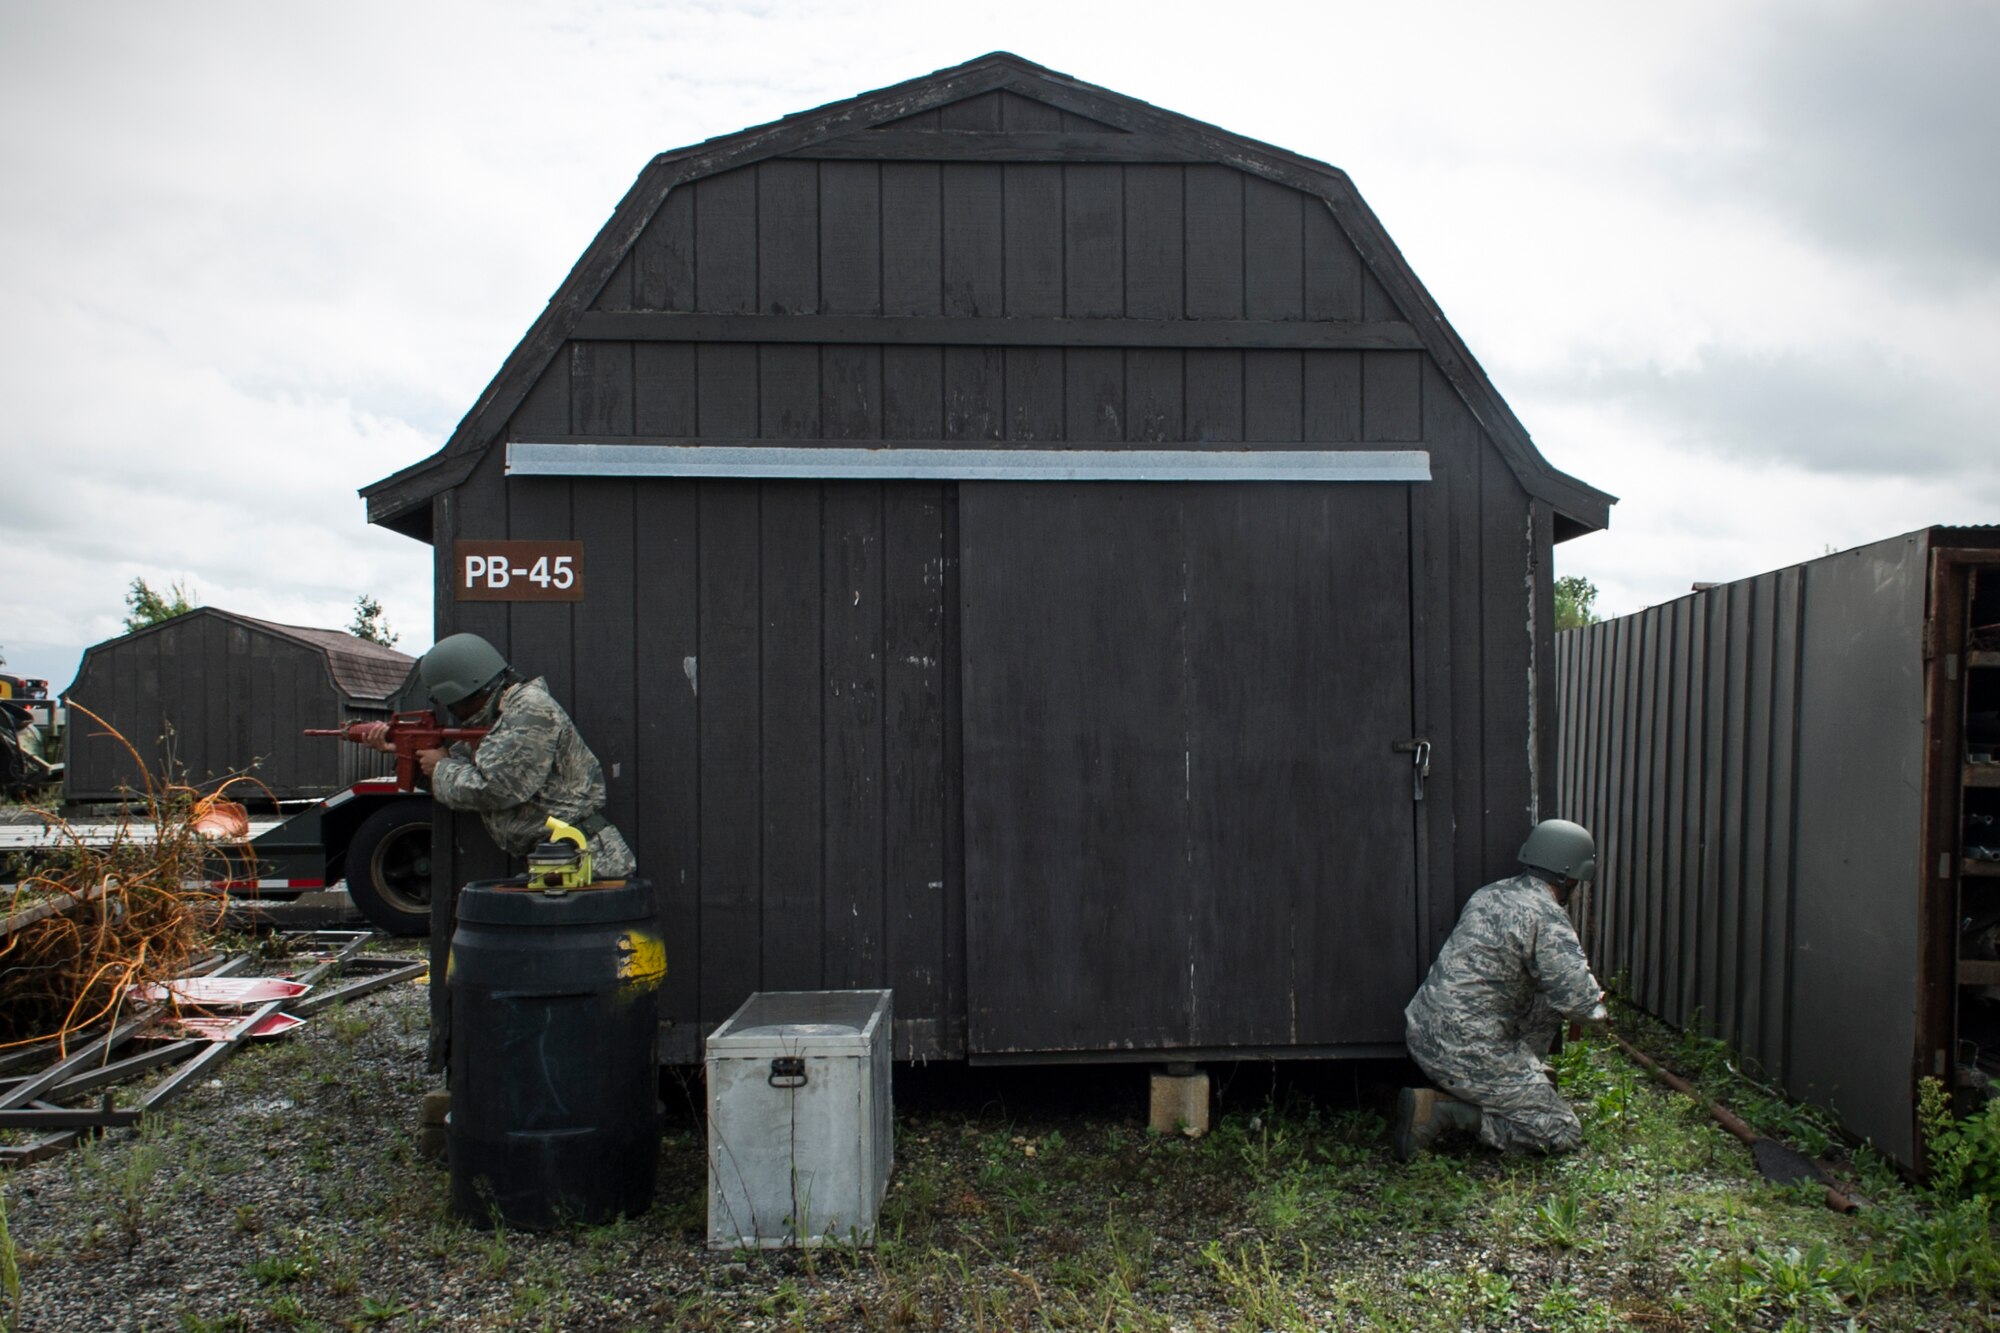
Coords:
1519,1109
610,856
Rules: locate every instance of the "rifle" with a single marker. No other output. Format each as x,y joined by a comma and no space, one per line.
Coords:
409,733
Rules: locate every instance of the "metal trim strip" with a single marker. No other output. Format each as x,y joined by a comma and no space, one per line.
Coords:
526,458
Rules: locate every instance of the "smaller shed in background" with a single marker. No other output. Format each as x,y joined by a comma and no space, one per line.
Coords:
212,693
1795,784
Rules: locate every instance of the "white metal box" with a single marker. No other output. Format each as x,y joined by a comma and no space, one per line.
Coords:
800,1132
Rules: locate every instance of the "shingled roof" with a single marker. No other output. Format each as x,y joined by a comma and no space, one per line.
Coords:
361,670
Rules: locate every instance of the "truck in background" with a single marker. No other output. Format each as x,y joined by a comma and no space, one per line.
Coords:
31,756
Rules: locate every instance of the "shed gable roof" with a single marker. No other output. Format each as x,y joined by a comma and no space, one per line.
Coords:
1041,115
1015,111
359,668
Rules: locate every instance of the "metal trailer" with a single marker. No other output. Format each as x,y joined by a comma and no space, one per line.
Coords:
373,838
1794,786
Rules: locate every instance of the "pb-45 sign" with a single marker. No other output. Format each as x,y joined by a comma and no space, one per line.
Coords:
517,571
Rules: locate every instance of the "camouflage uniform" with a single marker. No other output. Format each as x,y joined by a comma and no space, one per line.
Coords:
1509,976
533,764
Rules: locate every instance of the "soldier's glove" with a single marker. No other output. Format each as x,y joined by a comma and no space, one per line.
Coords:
1598,1021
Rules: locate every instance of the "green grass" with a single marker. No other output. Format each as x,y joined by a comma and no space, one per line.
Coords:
1291,1215
10,1273
133,1182
1661,1217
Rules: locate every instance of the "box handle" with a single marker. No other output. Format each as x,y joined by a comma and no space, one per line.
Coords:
788,1071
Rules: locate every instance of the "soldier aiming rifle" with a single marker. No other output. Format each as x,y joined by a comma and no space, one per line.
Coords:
531,763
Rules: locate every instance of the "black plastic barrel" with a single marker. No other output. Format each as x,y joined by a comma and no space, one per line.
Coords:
555,1113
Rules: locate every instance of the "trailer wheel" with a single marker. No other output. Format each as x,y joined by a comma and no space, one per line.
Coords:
389,867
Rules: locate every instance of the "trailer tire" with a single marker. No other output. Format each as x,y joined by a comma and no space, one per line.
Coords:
389,867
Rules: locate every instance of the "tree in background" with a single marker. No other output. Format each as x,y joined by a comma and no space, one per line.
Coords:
1576,601
368,623
150,608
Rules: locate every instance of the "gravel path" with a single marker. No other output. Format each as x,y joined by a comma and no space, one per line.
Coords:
288,1192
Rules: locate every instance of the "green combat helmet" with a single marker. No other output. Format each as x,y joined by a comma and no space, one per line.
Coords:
461,665
1558,847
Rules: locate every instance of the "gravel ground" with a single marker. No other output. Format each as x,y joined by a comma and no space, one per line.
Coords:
289,1193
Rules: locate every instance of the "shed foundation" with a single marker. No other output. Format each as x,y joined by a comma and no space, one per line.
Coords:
1180,1102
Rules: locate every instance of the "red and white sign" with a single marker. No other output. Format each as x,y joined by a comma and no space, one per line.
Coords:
222,1027
223,991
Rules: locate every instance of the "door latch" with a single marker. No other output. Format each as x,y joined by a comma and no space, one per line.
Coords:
1419,751
787,1071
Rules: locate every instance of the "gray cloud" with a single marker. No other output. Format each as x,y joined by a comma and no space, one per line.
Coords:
1873,127
1829,411
262,254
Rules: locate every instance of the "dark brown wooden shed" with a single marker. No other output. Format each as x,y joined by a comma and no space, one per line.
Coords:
1031,545
210,694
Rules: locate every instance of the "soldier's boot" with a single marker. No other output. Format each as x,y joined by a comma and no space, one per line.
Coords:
1424,1115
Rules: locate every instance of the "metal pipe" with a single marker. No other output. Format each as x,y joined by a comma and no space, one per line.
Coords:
1729,1120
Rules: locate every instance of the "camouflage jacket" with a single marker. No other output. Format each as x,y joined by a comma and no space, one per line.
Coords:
1512,943
533,764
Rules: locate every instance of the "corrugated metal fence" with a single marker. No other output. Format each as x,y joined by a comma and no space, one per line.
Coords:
1751,759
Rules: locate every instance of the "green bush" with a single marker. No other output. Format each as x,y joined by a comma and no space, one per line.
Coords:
1964,1154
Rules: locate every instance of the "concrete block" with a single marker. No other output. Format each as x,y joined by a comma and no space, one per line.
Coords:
434,1143
1180,1103
433,1121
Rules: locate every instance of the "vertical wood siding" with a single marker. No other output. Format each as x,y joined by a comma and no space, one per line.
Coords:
1079,240
204,698
1191,691
776,668
1750,759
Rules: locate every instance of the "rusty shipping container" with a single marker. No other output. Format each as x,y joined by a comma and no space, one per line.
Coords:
1795,790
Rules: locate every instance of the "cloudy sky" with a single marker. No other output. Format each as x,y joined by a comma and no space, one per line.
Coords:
1737,263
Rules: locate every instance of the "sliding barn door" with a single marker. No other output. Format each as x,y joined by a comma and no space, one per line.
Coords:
1186,826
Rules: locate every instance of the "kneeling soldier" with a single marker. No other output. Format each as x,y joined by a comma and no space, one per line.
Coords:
1505,982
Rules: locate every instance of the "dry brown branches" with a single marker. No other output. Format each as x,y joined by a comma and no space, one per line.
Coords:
98,916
